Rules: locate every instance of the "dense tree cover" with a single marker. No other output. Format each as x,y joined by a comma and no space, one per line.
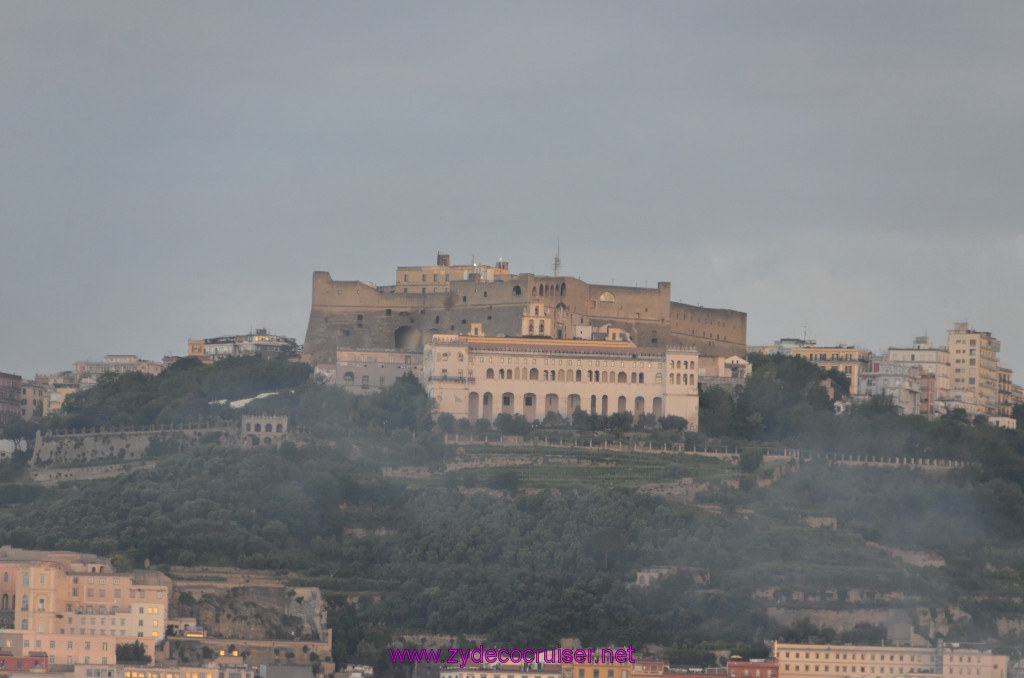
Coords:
132,653
330,412
534,567
183,392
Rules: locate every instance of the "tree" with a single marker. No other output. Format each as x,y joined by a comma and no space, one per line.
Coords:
132,653
716,411
581,421
446,422
19,430
750,460
673,423
958,414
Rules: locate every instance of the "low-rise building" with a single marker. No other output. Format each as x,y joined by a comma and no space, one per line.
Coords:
752,668
869,661
87,372
259,343
371,370
504,670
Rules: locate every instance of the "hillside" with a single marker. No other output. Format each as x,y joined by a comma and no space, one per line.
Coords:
408,535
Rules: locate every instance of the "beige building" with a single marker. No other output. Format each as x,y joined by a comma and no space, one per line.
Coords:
474,377
87,372
76,608
1005,396
848,360
10,397
372,370
863,661
975,368
504,669
34,399
259,343
438,278
902,384
211,670
932,360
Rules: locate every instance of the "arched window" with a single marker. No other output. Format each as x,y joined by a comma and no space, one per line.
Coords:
349,378
257,428
531,327
280,429
671,378
490,373
517,290
542,327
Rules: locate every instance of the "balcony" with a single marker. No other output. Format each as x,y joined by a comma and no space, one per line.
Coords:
458,380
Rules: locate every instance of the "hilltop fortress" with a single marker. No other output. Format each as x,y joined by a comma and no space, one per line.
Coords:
492,301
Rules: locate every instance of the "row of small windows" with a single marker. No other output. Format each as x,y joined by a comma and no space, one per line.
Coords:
558,361
533,374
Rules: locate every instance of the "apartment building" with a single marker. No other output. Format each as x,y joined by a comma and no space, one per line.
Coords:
76,608
975,369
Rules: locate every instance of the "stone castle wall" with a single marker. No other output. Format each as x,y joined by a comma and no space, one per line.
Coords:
354,314
76,448
122,444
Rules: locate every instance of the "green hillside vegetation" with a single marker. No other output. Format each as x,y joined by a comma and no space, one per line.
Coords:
531,553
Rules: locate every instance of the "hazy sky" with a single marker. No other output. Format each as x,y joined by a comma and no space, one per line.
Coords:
849,170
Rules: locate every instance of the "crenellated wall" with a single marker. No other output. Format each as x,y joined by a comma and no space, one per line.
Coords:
354,314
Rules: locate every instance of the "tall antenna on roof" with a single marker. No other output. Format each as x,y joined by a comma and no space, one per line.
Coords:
558,258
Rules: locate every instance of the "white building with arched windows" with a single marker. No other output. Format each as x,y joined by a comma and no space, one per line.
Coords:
474,377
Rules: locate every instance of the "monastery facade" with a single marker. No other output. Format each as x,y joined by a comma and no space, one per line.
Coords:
475,376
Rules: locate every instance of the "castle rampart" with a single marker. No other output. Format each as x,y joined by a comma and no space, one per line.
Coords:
355,314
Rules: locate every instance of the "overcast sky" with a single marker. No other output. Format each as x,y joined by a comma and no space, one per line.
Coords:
849,171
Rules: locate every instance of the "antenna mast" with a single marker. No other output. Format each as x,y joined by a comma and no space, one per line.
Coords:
558,258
